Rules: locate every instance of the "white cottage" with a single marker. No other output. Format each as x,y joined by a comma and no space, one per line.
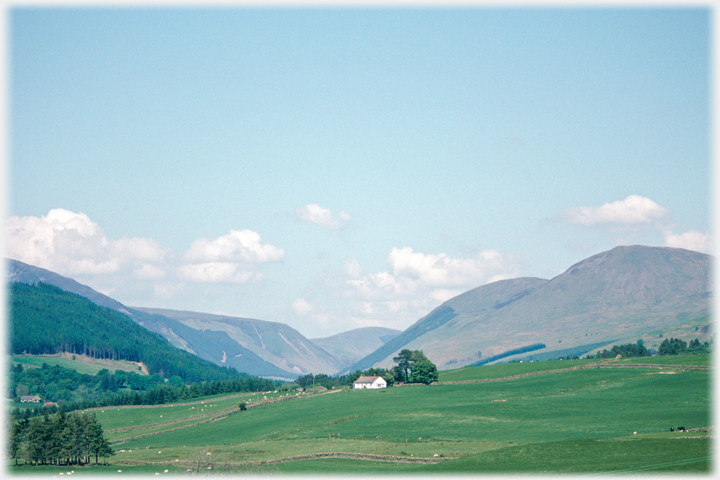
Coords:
370,382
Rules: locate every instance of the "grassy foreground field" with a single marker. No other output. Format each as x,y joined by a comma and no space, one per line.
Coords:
553,419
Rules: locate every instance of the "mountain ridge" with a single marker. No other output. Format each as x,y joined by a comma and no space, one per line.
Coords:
257,347
625,292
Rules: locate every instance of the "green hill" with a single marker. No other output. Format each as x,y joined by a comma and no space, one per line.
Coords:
46,320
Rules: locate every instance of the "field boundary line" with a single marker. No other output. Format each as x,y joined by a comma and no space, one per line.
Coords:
296,458
173,404
215,416
656,466
578,367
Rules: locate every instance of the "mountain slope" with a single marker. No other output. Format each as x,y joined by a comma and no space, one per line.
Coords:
627,292
274,342
45,319
23,273
252,346
215,346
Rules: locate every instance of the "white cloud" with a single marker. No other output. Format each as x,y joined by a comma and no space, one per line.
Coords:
218,272
238,246
413,285
136,271
302,307
633,210
314,213
150,272
230,258
690,240
71,244
443,271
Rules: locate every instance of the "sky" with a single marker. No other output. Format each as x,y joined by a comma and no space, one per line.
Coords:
333,168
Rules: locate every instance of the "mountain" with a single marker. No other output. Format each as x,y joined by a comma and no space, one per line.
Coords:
627,293
215,346
349,347
46,320
273,342
23,273
255,347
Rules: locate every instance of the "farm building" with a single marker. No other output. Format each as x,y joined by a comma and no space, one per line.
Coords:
370,382
30,398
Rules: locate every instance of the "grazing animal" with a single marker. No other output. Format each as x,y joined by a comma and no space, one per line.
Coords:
672,429
681,429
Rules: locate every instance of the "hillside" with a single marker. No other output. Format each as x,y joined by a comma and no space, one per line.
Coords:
272,342
45,319
255,347
624,294
19,272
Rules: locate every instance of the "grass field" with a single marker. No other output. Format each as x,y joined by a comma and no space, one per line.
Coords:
590,420
81,364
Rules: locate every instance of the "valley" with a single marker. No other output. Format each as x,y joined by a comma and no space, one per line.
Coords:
619,296
520,389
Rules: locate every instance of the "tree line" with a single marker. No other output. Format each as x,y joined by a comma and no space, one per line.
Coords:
59,439
672,346
675,346
71,390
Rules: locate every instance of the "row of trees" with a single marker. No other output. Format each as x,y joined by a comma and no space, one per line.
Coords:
59,439
671,346
627,350
74,391
675,346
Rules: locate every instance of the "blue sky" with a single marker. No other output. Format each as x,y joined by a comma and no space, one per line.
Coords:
335,168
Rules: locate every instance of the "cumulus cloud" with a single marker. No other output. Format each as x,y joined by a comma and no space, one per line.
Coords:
71,244
411,287
635,209
316,214
440,270
690,240
237,246
302,307
638,216
228,258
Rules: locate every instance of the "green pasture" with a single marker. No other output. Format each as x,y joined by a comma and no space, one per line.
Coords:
126,416
517,368
592,420
507,369
587,420
689,359
89,366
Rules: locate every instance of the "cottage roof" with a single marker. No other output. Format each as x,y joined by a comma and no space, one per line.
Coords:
366,379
